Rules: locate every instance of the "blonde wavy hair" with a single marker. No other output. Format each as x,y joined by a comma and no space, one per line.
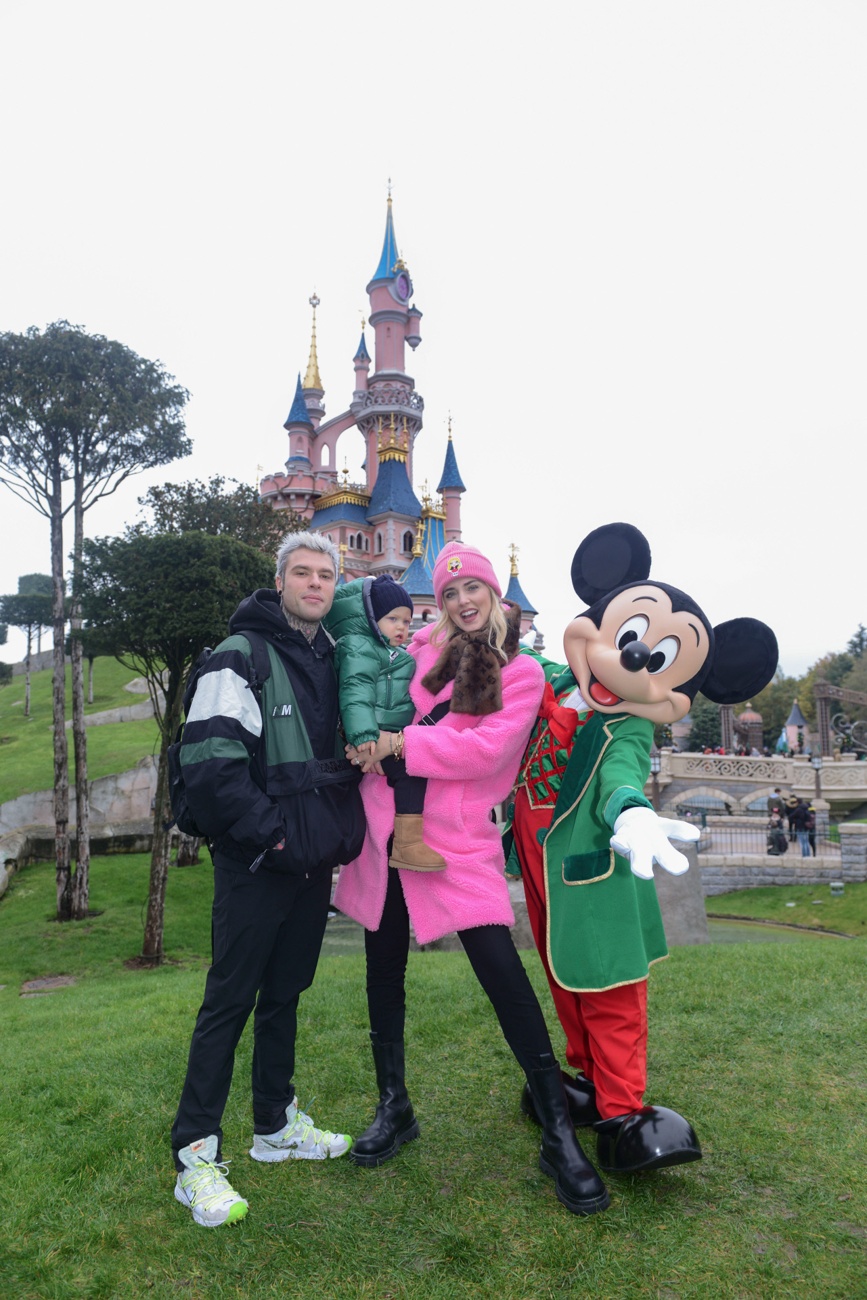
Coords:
445,629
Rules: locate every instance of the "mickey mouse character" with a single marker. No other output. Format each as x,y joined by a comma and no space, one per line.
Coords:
586,837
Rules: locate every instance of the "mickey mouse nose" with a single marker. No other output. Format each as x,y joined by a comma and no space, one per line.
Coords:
634,656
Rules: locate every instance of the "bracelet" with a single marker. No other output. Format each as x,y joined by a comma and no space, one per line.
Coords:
397,749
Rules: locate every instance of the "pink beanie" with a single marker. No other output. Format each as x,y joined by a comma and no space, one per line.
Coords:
457,561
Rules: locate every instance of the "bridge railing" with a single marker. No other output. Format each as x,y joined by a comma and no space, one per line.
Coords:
842,781
743,834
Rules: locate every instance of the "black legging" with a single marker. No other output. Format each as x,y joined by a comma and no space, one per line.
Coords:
496,964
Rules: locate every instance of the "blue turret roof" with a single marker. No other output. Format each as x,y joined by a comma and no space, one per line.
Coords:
392,492
339,514
434,539
515,594
796,717
451,475
389,254
299,413
362,354
417,580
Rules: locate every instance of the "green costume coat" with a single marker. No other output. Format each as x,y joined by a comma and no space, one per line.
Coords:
604,923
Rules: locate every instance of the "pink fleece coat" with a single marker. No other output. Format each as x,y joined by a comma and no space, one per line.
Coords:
471,765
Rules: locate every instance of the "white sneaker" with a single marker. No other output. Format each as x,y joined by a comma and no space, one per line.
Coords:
299,1139
204,1188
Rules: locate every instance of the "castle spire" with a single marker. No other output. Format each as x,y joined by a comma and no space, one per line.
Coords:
298,413
389,257
514,591
311,379
451,486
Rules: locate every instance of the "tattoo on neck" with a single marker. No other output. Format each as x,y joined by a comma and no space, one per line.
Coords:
302,625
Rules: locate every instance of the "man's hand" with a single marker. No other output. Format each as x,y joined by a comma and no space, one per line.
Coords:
642,837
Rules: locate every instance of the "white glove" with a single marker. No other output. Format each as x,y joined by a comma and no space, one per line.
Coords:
642,837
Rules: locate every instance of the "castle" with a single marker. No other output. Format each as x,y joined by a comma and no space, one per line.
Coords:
380,526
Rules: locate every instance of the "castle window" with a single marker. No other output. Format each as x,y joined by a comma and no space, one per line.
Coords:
379,543
367,543
358,542
351,542
326,454
407,541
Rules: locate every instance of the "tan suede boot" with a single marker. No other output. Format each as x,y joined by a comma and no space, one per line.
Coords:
409,849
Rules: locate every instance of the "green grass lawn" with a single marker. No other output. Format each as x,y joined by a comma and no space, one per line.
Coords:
27,744
811,905
757,1043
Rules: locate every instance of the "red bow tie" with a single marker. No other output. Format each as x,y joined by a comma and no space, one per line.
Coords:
561,722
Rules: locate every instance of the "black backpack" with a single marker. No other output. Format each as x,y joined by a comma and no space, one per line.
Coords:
182,816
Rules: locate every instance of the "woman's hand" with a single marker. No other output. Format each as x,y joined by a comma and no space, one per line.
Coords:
368,756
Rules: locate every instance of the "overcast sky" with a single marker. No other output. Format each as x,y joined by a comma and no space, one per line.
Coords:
636,232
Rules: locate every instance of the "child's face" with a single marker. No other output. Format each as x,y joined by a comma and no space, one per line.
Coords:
394,625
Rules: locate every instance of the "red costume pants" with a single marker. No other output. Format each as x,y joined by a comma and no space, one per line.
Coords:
606,1030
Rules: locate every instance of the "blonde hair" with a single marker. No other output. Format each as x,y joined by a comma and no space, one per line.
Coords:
445,629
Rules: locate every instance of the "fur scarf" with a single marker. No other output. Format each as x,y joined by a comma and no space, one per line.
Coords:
475,667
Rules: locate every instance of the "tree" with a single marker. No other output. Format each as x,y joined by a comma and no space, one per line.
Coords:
221,507
832,668
857,644
705,733
79,414
158,601
36,584
774,703
29,613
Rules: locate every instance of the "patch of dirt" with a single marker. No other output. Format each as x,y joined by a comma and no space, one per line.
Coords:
147,963
45,984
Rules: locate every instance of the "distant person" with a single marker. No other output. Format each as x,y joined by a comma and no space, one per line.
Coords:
777,841
775,802
789,811
273,858
799,819
811,828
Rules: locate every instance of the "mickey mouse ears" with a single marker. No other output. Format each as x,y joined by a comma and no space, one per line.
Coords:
744,661
609,557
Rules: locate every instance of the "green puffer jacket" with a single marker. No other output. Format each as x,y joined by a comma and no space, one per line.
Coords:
373,677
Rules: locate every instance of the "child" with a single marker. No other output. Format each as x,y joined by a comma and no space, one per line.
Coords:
370,621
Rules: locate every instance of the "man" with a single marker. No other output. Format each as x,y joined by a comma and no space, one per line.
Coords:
271,788
775,802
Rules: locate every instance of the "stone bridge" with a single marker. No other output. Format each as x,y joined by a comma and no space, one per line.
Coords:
713,780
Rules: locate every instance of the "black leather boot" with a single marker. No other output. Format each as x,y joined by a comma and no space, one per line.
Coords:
394,1122
580,1094
576,1182
650,1138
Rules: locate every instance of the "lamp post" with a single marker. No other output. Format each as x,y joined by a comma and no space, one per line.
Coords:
816,761
655,765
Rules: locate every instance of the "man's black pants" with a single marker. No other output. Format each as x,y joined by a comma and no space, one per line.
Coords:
266,934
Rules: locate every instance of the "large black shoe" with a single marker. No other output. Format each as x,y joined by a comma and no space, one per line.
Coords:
576,1182
650,1138
394,1122
580,1094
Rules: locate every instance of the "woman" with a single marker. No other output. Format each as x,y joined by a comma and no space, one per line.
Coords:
467,663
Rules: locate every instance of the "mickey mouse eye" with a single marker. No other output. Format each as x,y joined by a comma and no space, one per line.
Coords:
632,630
663,654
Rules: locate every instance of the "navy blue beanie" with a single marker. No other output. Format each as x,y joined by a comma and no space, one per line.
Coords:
386,595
